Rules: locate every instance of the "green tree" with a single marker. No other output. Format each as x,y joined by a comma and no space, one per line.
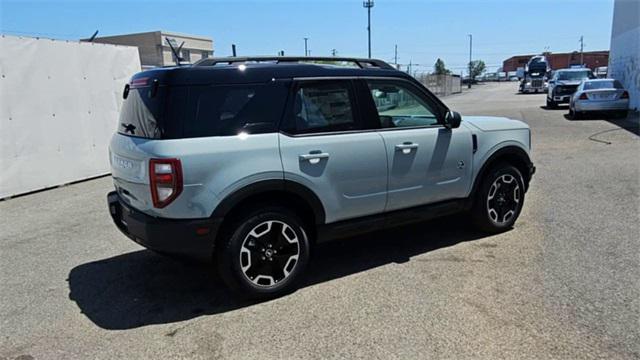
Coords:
439,68
476,67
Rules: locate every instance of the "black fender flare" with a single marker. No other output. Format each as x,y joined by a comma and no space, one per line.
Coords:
274,185
507,151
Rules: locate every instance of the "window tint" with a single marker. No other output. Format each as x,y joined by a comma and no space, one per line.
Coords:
141,114
575,75
323,107
399,106
605,84
232,109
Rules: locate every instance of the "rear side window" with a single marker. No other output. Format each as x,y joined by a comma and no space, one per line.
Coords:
233,109
323,106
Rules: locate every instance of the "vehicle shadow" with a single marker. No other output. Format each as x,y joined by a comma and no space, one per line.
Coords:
630,124
142,288
558,107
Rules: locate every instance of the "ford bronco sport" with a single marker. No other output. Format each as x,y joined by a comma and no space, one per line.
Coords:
249,162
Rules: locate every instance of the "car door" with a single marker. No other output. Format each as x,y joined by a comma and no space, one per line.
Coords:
326,145
427,161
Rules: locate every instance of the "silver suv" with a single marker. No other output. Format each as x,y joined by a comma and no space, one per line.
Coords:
250,162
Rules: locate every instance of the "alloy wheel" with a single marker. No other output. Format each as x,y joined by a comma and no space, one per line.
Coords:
503,199
269,253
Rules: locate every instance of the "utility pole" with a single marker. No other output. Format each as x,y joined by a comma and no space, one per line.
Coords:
581,50
368,4
306,52
395,57
334,52
470,47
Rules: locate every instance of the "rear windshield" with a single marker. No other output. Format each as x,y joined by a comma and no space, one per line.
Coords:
201,110
575,75
141,113
594,85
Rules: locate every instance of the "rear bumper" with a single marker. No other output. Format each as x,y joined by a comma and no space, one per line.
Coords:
194,238
607,105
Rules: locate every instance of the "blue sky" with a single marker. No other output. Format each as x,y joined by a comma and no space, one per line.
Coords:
423,30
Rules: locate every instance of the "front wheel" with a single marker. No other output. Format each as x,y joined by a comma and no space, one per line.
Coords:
551,104
264,253
499,200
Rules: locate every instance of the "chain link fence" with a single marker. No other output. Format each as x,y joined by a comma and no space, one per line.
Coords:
441,85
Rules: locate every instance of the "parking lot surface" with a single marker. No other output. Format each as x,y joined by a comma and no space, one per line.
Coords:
564,283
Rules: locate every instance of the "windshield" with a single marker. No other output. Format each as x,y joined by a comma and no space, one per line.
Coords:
594,85
574,75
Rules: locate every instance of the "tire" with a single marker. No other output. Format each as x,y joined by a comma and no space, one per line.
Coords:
551,104
496,207
248,259
574,115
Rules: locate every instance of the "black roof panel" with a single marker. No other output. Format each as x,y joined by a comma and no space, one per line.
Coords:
255,72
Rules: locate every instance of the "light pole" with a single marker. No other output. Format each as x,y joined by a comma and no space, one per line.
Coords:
368,4
305,47
470,47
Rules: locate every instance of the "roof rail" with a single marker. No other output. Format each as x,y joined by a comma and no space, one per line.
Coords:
361,63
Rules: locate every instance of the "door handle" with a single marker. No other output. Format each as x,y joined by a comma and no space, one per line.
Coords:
314,157
406,147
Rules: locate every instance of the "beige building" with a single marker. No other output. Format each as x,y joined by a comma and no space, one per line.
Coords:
155,51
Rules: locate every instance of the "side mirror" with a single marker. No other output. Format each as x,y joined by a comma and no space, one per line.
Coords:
452,120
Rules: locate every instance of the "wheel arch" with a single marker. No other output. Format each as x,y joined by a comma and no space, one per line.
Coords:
511,154
285,192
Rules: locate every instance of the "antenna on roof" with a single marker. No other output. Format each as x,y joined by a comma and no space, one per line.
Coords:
93,37
176,53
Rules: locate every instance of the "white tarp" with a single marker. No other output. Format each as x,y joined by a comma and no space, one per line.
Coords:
59,105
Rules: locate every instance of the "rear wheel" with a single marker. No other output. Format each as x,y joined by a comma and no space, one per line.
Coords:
573,115
500,199
264,253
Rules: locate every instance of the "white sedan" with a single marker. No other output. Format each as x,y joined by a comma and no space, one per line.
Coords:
599,95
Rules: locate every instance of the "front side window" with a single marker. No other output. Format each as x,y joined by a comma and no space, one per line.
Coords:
323,106
400,106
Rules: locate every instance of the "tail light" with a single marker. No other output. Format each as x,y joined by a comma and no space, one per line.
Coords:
625,95
583,96
139,82
165,179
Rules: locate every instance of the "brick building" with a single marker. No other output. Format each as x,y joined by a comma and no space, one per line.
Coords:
592,59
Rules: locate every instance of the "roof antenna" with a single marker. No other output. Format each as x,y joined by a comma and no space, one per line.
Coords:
176,53
93,37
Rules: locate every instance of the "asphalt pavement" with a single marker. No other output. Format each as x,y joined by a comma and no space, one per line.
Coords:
563,284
